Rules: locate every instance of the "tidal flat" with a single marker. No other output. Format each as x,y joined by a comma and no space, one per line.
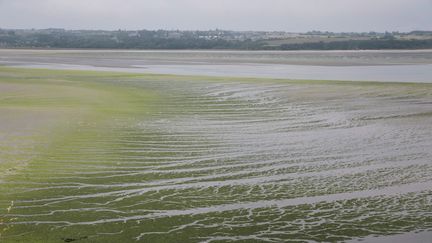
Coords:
90,156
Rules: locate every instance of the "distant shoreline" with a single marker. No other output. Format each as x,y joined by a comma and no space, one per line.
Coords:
213,40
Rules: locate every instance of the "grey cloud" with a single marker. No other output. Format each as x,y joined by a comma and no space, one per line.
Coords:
289,15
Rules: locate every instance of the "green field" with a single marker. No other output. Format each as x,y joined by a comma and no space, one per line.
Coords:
116,157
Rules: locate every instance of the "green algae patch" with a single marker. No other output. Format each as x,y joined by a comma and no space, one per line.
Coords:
42,111
35,103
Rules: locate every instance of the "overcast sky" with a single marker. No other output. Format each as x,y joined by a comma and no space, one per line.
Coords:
287,15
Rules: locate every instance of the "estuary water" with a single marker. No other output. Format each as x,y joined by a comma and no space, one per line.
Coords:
391,73
235,160
387,66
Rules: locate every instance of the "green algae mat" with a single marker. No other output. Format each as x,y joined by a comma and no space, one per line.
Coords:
117,157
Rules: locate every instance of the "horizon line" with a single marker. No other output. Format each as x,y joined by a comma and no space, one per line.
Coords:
216,29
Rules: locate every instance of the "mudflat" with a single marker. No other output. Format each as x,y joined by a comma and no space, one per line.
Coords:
166,158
